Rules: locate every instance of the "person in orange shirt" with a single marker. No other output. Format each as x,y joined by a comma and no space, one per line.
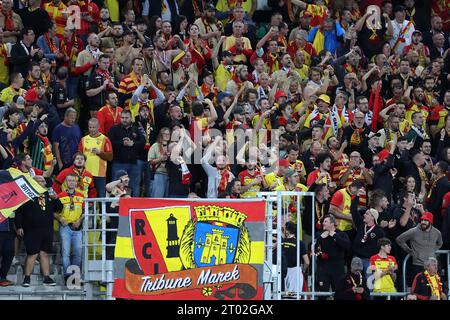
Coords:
109,114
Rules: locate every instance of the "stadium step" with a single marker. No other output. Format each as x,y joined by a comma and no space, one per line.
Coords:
41,292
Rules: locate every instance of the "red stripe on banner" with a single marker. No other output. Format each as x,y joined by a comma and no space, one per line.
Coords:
254,209
11,195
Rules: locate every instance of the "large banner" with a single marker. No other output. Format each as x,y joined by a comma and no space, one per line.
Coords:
16,188
182,249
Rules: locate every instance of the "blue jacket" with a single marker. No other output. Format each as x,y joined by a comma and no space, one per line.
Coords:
45,48
331,37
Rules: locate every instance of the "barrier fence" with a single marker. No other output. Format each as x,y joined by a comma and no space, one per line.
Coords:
281,206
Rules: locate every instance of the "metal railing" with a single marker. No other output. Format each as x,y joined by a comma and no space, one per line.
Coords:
438,252
96,268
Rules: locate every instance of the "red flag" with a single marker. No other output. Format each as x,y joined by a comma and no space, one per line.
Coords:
376,108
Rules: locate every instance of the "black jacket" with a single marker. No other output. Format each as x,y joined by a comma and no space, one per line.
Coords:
123,154
344,288
31,216
20,59
434,203
382,176
334,247
38,20
369,247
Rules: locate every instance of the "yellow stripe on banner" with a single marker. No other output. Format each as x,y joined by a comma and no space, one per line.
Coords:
124,249
257,253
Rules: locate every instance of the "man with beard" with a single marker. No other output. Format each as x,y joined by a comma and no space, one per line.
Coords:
322,173
392,128
417,45
164,57
416,104
252,180
417,132
438,115
362,105
112,36
85,180
424,240
238,80
218,176
209,27
105,20
286,72
356,133
406,74
127,141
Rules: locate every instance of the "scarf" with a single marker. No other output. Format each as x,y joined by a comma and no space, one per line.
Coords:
334,118
185,174
95,53
4,54
420,132
356,138
375,104
9,21
50,43
47,151
224,178
435,286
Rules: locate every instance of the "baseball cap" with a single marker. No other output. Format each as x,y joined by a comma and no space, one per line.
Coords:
210,7
374,214
279,94
357,264
223,94
325,98
238,110
283,163
417,31
427,216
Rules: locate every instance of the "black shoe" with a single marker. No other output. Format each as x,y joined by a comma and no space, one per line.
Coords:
26,281
49,281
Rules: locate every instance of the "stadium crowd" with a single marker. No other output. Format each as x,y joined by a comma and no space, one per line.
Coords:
349,99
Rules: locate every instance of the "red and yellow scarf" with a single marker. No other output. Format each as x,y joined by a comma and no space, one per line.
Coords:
47,151
50,43
224,178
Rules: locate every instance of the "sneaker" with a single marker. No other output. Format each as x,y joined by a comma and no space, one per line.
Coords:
49,281
26,281
5,283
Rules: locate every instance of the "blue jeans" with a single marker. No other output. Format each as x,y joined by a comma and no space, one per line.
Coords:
100,186
144,168
160,186
70,239
134,174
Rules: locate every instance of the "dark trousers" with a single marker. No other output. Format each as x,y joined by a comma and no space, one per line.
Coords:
328,274
6,252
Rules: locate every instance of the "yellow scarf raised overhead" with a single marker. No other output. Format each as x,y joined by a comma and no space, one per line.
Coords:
319,41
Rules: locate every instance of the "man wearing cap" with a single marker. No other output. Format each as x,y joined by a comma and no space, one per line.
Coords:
419,46
368,232
210,28
140,98
331,119
403,30
353,286
424,241
276,178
